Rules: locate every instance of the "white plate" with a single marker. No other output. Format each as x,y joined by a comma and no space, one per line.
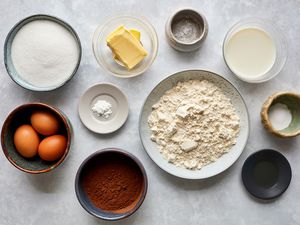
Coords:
115,97
223,162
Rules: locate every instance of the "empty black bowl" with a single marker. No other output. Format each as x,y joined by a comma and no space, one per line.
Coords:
266,174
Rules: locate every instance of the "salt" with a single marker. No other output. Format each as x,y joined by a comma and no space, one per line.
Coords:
186,30
280,116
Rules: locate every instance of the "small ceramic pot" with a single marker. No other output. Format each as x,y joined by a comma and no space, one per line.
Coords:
20,116
292,101
200,28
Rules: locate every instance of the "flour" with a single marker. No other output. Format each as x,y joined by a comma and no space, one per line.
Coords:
102,108
44,53
194,124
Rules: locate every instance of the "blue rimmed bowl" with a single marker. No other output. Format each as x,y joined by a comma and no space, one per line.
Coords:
10,68
83,170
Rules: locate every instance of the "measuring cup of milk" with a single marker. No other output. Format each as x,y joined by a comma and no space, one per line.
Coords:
255,50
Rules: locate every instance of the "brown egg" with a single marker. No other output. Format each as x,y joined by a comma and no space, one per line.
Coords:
52,148
26,141
44,123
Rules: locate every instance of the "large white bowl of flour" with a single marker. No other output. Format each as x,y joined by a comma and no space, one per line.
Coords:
42,53
223,162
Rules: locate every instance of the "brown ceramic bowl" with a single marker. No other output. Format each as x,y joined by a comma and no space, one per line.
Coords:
20,116
292,101
100,158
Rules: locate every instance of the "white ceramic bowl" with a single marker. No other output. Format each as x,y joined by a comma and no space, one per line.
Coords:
111,94
224,161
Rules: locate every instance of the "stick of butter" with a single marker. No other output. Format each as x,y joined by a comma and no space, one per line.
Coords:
126,46
137,35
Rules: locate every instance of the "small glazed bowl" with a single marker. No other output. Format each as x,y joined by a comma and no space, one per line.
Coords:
278,38
85,201
20,116
198,19
104,55
292,101
10,68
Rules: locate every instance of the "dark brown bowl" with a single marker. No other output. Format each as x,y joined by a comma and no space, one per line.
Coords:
20,116
84,199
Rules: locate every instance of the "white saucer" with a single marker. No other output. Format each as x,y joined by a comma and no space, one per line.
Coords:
111,94
220,164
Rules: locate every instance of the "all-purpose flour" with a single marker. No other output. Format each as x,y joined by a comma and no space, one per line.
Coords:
194,124
44,53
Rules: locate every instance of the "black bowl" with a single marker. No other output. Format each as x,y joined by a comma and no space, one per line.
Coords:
266,174
96,158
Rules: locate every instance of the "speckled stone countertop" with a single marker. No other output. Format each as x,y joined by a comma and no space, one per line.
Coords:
50,198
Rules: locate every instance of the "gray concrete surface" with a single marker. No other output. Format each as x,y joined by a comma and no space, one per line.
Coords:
50,198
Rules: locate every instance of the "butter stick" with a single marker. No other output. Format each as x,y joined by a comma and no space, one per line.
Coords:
126,47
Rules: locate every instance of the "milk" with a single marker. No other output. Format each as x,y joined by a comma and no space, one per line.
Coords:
250,53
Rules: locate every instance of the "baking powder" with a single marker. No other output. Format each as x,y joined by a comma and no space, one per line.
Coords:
102,108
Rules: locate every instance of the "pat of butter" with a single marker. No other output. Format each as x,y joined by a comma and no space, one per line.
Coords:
136,34
126,46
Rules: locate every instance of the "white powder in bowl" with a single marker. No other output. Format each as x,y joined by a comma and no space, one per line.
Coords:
193,124
44,53
280,116
102,108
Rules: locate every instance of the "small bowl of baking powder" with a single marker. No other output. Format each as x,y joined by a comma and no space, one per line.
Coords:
186,30
42,53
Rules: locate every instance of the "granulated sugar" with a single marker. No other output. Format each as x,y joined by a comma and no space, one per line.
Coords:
44,53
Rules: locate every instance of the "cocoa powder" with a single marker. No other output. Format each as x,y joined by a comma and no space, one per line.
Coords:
113,183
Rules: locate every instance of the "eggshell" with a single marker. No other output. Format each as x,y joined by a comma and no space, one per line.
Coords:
52,148
44,123
26,141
